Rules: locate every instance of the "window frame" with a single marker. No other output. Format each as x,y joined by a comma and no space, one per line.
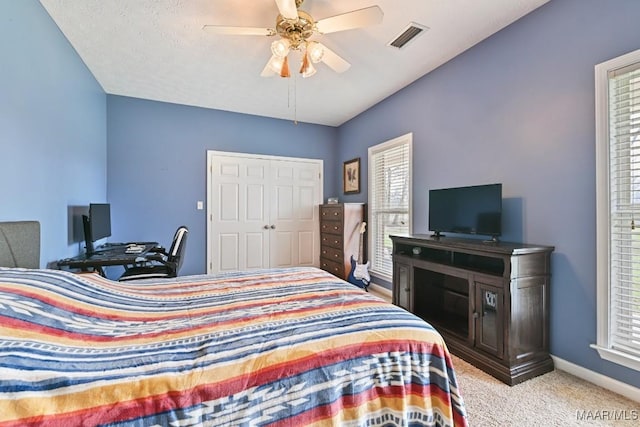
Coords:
603,343
373,150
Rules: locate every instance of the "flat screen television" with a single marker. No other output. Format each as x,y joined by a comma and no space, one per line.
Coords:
97,225
466,210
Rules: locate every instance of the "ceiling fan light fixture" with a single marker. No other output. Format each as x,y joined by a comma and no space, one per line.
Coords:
315,52
275,63
307,69
280,48
295,28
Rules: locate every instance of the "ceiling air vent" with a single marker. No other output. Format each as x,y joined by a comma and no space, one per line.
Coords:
409,33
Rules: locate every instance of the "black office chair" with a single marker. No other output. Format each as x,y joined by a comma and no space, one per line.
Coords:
158,263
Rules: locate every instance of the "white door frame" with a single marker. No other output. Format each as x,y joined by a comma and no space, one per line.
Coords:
210,156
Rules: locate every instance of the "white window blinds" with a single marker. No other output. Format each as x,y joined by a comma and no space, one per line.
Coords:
624,205
389,199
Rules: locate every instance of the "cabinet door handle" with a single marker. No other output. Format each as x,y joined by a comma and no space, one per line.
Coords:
476,315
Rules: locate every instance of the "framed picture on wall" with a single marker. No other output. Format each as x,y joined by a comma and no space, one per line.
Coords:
351,176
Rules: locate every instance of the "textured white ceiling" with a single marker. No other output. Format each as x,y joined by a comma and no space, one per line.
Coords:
156,49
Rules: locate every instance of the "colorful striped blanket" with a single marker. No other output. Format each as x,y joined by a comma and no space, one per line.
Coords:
284,347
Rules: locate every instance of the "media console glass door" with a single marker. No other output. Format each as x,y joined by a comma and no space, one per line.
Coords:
403,294
488,318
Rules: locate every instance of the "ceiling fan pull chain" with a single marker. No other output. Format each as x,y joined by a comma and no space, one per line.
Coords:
292,96
295,100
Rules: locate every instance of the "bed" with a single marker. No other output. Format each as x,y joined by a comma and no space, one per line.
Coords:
280,347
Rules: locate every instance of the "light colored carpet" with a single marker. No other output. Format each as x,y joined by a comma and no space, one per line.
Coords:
553,399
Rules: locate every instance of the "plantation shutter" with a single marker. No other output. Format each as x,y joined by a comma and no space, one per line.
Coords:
624,193
389,200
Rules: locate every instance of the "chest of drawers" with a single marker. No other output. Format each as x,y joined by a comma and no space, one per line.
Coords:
340,236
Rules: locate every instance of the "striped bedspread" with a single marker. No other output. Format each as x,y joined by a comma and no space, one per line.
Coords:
287,347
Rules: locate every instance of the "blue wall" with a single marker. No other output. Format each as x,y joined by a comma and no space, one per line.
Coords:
157,158
53,140
519,109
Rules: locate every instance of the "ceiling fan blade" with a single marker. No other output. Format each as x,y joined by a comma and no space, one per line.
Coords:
350,20
334,61
239,31
288,8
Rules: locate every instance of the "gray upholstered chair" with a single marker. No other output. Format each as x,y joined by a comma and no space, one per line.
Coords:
20,244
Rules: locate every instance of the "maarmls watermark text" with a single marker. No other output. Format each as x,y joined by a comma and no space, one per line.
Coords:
608,415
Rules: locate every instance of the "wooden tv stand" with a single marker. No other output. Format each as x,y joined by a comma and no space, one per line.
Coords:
489,300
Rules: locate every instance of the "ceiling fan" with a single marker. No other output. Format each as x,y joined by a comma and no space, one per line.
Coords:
295,28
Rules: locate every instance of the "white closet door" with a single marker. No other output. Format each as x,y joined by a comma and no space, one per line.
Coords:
263,212
294,213
239,213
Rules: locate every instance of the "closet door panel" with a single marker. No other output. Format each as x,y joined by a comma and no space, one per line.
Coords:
229,259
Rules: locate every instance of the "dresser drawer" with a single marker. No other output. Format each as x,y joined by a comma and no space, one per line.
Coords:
333,227
333,213
333,267
331,254
335,241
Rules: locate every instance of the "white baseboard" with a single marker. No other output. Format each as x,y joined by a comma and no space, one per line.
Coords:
603,381
380,289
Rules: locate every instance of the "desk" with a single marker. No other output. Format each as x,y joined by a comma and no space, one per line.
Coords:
106,256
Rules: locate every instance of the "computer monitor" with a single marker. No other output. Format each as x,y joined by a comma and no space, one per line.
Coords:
97,225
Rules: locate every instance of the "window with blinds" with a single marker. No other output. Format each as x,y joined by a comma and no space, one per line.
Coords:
389,200
618,176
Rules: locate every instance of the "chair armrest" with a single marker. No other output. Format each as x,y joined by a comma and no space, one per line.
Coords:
155,257
171,265
158,249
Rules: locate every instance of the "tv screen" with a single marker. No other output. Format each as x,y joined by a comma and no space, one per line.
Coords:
466,210
100,220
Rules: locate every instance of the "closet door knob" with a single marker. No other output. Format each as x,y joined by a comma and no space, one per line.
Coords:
273,227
